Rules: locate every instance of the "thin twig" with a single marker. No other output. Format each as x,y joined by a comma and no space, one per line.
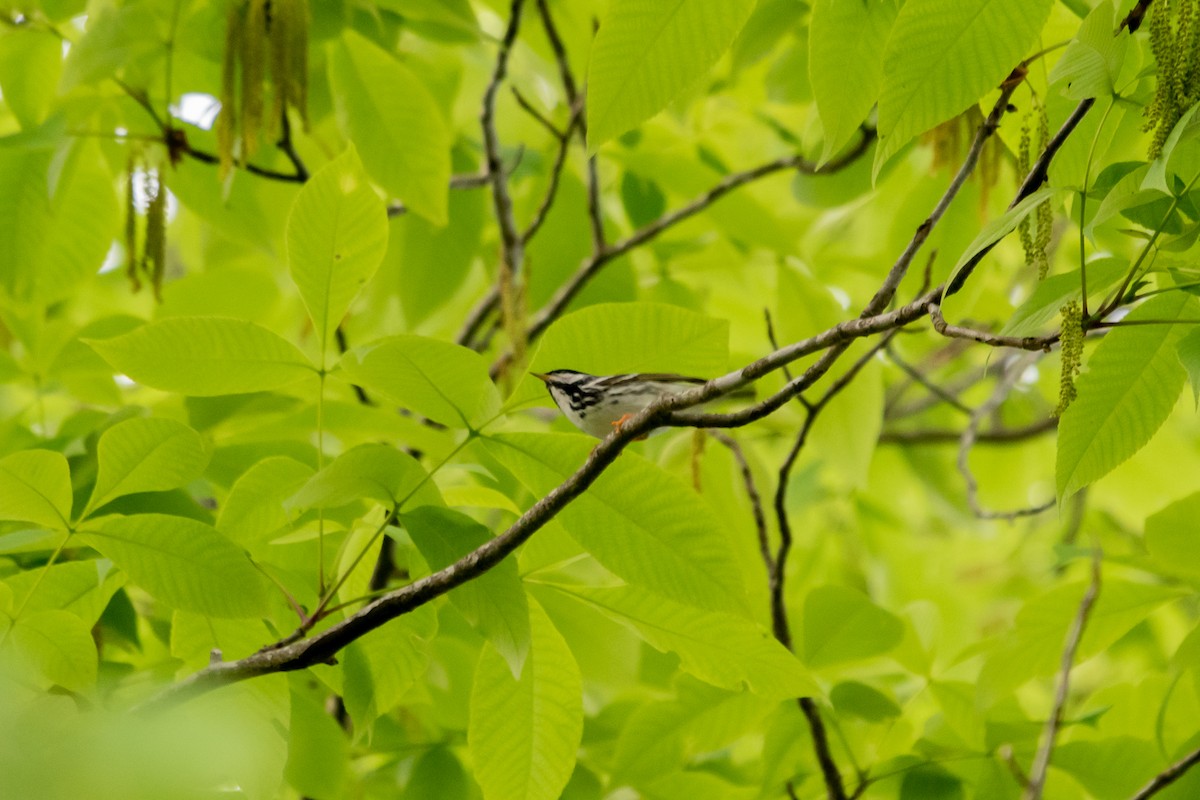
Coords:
288,148
594,263
556,169
470,180
950,436
760,519
777,566
1033,180
532,110
919,377
1168,776
1041,760
967,439
512,247
1043,343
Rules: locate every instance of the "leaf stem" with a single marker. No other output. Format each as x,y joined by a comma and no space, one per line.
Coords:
1087,179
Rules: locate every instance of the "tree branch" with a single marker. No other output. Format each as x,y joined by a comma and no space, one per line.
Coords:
970,434
1168,776
1043,343
1035,178
1041,761
950,436
760,519
513,247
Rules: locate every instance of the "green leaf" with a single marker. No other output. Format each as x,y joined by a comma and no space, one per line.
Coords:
1189,355
35,486
1110,768
495,602
998,228
1093,60
145,455
369,471
841,624
439,774
254,509
58,646
395,123
1049,295
659,736
55,233
861,700
610,338
647,52
723,649
1171,536
1130,385
204,356
318,753
845,64
439,380
943,55
524,732
82,587
1033,647
336,236
30,63
182,562
641,523
382,667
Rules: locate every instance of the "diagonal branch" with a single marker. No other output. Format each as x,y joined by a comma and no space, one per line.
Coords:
1041,761
1168,776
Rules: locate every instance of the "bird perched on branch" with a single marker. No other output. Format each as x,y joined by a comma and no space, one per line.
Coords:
598,403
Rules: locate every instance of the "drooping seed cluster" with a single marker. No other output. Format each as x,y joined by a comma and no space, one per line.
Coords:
1071,344
1175,42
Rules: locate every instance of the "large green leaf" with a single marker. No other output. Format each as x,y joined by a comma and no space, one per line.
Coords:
1130,385
58,646
381,667
253,510
628,337
1171,536
637,520
439,380
396,124
184,563
57,220
648,51
998,228
203,356
145,455
1092,62
82,587
369,471
1033,647
1048,297
336,236
494,602
660,735
723,649
30,63
524,732
845,63
35,486
841,624
943,55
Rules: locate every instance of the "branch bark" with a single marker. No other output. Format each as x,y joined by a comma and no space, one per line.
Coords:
1041,761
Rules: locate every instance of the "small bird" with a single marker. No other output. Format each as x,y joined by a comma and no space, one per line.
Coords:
598,403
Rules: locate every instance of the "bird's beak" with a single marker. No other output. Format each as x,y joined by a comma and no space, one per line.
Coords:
541,376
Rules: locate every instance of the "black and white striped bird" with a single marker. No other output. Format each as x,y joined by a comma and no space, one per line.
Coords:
597,403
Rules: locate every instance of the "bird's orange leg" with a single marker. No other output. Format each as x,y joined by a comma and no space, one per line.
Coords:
625,418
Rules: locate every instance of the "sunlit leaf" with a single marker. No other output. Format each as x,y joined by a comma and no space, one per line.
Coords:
524,731
35,486
204,356
1130,385
184,563
646,53
336,237
841,624
146,455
